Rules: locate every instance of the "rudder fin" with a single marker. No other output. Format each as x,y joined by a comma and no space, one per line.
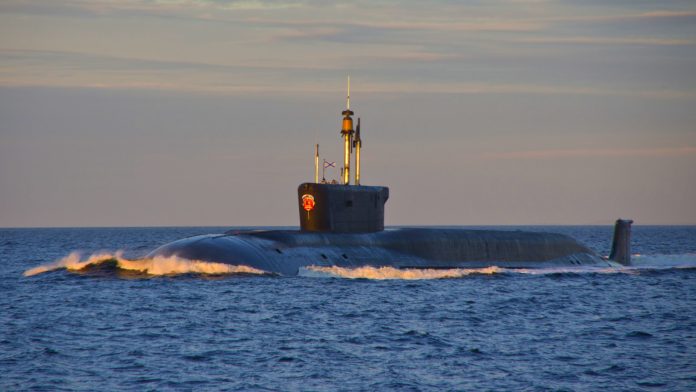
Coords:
621,245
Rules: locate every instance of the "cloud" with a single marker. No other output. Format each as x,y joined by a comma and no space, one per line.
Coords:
472,24
506,88
165,6
368,15
665,14
213,86
445,49
594,153
606,40
54,59
621,16
73,69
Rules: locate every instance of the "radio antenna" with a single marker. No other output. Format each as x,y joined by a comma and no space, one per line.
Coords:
348,96
347,134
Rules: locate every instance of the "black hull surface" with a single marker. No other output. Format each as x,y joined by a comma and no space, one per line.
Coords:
285,252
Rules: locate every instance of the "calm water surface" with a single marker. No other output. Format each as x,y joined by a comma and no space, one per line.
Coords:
105,328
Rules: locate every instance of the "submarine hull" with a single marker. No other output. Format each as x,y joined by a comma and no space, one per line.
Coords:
285,252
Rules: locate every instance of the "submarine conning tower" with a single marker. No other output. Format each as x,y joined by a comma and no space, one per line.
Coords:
342,207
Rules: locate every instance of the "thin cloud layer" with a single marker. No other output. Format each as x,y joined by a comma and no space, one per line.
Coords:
595,152
237,46
83,70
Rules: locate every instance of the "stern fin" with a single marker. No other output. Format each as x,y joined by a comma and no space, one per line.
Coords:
621,245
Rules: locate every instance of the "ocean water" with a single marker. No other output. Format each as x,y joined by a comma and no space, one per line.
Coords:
78,322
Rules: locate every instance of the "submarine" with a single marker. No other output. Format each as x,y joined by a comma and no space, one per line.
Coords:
342,225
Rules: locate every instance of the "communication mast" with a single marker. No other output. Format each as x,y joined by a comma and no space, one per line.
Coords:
347,133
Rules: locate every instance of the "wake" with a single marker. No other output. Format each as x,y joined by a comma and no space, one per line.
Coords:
383,273
686,260
640,263
391,273
167,266
156,266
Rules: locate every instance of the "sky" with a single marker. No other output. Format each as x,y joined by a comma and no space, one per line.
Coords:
193,112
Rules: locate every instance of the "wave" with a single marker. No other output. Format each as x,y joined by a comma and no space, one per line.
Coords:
155,266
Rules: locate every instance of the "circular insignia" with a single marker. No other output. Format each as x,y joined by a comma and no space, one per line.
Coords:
308,202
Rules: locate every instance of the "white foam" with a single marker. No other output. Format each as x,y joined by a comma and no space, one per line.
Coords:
382,273
386,273
151,266
175,265
639,263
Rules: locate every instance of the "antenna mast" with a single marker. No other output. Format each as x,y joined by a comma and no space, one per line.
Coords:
316,163
348,96
347,133
357,143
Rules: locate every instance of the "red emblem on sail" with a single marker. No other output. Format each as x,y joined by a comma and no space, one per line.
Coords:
308,202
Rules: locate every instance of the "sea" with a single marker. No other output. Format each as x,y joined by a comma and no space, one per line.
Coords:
82,309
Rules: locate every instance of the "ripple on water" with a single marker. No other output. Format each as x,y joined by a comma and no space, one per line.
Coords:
639,335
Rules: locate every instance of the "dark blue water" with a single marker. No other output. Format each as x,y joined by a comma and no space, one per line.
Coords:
105,328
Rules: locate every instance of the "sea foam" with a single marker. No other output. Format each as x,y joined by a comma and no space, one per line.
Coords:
640,264
382,273
173,265
151,266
